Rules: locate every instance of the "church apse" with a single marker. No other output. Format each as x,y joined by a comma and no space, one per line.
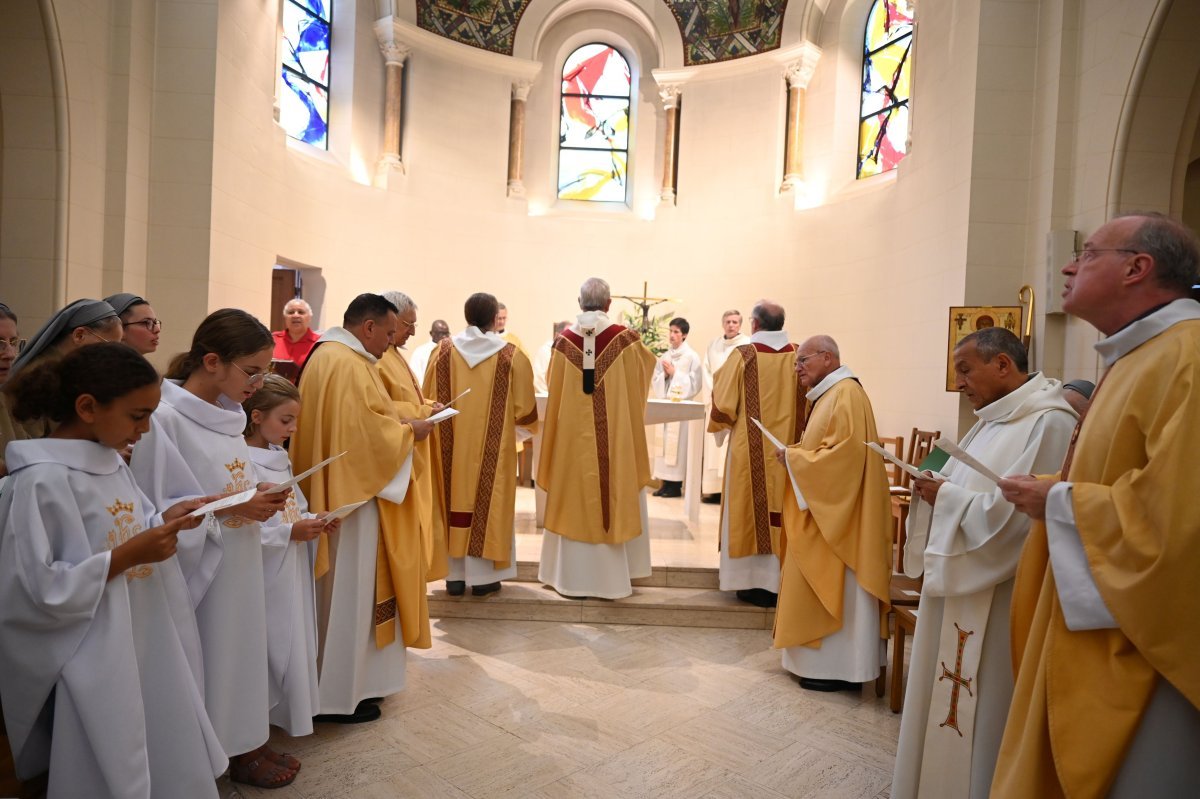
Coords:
486,24
721,30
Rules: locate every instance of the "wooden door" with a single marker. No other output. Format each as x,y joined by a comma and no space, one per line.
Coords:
285,285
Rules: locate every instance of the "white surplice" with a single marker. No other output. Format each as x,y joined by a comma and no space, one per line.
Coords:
605,571
350,666
419,360
968,546
195,448
291,602
99,676
541,366
671,439
717,444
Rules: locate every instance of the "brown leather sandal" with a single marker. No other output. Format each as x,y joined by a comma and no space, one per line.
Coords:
281,758
259,772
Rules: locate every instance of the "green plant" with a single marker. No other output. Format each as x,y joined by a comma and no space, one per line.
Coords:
654,332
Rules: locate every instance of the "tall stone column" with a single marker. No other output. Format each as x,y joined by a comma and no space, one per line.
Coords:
669,94
394,56
797,74
516,138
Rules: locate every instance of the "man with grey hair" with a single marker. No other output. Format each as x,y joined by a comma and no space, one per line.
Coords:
1105,603
296,340
756,383
837,532
966,539
714,444
594,463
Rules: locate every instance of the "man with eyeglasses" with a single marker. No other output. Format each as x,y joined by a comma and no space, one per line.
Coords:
756,382
138,321
837,532
1105,606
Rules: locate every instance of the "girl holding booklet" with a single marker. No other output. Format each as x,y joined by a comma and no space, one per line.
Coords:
195,447
98,643
289,550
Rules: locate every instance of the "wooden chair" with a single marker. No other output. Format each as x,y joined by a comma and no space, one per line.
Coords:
894,472
906,624
919,447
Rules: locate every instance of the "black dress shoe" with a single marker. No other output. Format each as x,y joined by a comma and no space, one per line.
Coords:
759,597
363,713
456,587
711,499
372,700
828,686
660,491
672,489
485,589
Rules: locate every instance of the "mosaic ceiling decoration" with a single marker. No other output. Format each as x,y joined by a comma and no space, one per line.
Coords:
712,30
721,30
486,24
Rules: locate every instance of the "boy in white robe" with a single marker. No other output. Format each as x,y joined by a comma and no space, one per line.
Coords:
678,375
99,653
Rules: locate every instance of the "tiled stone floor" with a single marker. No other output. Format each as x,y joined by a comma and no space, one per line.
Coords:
552,710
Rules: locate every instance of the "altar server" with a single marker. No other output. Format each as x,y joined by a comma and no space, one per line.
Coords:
678,375
289,550
195,447
99,653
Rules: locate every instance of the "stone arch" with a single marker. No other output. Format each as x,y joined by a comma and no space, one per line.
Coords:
33,161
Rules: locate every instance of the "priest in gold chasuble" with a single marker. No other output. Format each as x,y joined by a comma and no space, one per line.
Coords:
1106,642
404,386
594,463
371,600
758,381
837,533
475,453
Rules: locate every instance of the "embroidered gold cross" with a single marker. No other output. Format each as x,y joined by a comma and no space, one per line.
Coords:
958,680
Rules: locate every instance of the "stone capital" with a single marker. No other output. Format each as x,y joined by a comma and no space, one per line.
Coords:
520,89
669,93
394,52
799,72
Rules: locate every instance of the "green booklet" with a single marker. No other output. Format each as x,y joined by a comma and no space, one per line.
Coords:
934,461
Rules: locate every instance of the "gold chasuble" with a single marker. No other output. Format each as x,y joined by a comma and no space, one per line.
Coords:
847,525
594,461
405,390
346,408
756,382
1080,695
474,454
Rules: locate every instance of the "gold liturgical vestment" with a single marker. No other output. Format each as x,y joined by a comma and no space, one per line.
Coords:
346,408
847,525
474,454
1080,695
594,461
405,390
756,382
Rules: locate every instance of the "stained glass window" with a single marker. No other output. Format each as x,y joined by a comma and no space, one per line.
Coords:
593,137
304,105
887,67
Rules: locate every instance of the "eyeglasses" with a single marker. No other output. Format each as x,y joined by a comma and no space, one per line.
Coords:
150,323
1082,256
99,337
803,359
14,344
411,325
251,379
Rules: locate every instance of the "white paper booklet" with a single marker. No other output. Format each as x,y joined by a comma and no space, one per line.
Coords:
965,458
907,467
778,444
460,396
444,414
227,502
286,484
344,511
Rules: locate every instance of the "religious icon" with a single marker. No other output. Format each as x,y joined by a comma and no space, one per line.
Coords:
965,320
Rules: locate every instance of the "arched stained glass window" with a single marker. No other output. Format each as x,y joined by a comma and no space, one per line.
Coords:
304,106
887,67
593,138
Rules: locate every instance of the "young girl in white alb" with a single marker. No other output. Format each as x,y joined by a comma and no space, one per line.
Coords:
99,652
195,447
289,550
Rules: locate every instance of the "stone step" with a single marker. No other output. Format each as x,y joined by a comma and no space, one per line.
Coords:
650,605
660,576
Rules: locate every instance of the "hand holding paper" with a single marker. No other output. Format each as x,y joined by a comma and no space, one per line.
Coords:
444,414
